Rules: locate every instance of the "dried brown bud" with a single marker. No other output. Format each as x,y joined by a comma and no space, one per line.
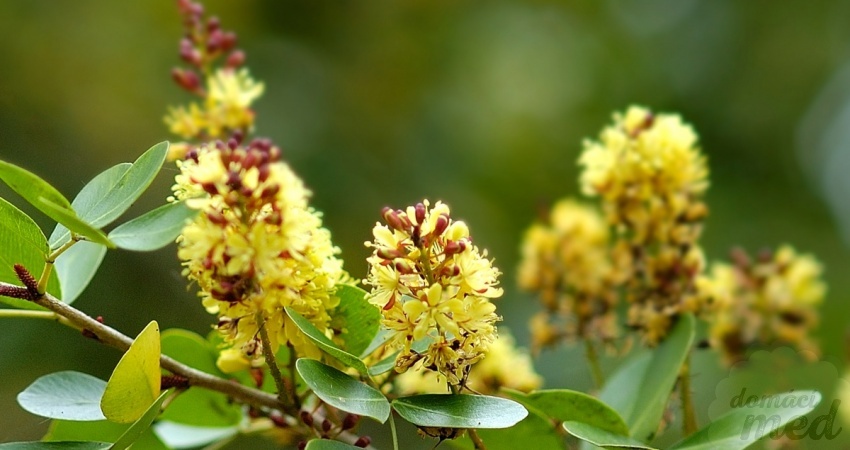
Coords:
350,421
363,442
307,418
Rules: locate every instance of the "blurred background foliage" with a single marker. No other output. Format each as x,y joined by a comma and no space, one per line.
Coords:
482,105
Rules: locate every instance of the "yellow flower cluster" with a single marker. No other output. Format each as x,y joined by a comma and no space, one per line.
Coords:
432,283
567,263
226,109
505,366
256,247
770,301
650,176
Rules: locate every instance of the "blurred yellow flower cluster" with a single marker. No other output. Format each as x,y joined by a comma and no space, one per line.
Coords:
256,246
505,366
226,108
650,177
772,300
567,263
432,283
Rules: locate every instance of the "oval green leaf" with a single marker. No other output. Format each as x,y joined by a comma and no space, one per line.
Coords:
32,188
113,191
564,405
327,444
324,343
22,242
140,426
741,427
603,438
76,268
63,445
355,320
64,395
640,389
533,429
135,382
343,392
154,229
459,411
179,436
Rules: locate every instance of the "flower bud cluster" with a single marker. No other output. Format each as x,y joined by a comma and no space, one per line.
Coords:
431,282
650,177
255,247
566,262
769,300
227,91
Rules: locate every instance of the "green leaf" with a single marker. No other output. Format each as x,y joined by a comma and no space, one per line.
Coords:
459,411
176,435
197,407
154,229
602,438
640,389
382,336
355,318
565,405
86,199
22,242
113,191
64,395
140,426
740,427
383,366
327,444
135,382
324,343
343,392
103,431
32,188
69,218
76,268
65,445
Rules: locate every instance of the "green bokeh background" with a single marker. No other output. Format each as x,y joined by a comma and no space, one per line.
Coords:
482,105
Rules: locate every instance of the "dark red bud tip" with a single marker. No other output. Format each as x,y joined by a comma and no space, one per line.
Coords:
278,420
420,213
186,79
302,445
213,23
363,442
235,59
454,247
27,279
228,41
441,225
258,376
388,253
393,219
326,425
307,418
350,421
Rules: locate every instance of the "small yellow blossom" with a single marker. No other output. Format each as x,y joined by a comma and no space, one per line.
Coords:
226,107
567,263
650,176
256,247
430,282
505,366
770,301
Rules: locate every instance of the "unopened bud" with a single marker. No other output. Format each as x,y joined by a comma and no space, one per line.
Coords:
363,442
326,425
420,213
404,266
278,419
389,253
228,41
392,218
235,59
350,421
454,247
441,225
213,23
186,79
307,418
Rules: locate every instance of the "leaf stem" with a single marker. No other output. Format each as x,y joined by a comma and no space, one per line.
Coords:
593,362
689,420
392,428
51,260
476,439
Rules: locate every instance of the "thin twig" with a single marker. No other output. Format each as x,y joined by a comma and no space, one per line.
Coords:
479,444
271,361
689,419
114,338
